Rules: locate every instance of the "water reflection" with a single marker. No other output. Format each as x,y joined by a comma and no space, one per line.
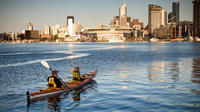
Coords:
174,71
164,72
196,75
54,102
76,94
156,72
196,68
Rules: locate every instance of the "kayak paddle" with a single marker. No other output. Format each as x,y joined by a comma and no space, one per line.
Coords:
45,64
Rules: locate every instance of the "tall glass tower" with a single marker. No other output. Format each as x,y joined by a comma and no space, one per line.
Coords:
175,11
70,23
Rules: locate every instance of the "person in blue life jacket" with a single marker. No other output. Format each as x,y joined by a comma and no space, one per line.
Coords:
53,81
76,74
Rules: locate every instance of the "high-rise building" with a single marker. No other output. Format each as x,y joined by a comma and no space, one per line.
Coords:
79,27
32,34
175,11
47,29
70,24
170,15
135,24
115,21
196,18
123,15
55,29
157,17
30,26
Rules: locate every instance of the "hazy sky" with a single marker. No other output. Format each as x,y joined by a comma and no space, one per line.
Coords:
16,14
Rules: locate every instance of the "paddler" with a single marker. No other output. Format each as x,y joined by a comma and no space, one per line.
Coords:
76,74
53,80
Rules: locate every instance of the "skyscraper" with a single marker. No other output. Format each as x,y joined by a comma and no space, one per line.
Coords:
196,18
157,17
55,29
170,15
79,27
175,11
30,26
123,15
70,24
47,29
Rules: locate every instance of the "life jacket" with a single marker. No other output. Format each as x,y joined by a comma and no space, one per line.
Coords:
76,75
51,83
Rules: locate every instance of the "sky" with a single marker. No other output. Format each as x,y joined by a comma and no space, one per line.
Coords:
16,14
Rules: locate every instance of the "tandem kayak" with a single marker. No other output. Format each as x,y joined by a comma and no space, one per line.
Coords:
45,93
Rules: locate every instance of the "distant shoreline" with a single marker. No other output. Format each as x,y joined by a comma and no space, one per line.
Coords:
126,41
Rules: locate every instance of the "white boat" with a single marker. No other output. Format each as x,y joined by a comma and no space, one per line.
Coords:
197,39
115,40
191,38
154,39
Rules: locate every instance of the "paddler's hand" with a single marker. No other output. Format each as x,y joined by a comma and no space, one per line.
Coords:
64,87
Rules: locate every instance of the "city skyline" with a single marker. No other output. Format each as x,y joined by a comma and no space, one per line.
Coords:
15,15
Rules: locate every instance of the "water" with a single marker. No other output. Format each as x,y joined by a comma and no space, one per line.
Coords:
146,77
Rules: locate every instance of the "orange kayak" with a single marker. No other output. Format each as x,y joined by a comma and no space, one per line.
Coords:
46,93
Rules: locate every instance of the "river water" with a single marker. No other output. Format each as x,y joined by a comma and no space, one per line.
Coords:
132,77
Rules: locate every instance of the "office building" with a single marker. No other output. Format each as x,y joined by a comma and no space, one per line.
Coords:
157,17
70,24
32,34
123,15
170,15
55,29
47,29
115,21
79,27
196,18
30,26
136,25
175,11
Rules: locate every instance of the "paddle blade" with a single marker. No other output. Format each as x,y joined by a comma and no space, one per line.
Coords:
44,63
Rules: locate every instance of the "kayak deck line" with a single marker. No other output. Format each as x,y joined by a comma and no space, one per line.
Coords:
45,93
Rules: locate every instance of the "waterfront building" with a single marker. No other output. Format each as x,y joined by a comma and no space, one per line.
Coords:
116,31
79,27
157,17
187,28
65,29
32,34
70,24
106,33
46,36
47,29
123,15
5,37
55,29
175,11
170,15
61,33
115,21
30,26
196,18
136,25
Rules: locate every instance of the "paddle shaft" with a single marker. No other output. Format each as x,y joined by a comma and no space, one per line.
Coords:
63,82
44,63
